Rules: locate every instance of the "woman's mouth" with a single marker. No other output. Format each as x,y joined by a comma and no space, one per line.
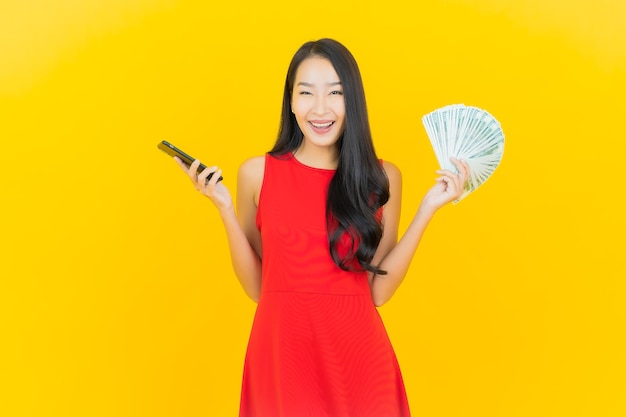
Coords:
321,126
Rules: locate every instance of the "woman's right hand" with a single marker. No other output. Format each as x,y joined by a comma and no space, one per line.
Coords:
214,190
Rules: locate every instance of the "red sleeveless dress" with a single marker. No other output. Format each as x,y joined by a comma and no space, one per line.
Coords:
318,347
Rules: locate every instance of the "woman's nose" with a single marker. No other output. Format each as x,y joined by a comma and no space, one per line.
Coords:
321,105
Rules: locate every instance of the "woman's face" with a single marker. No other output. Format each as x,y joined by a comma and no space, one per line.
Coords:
317,102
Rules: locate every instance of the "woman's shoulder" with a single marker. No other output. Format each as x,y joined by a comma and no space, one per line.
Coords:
392,171
253,167
250,179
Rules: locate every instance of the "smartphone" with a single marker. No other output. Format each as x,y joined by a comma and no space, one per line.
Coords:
172,150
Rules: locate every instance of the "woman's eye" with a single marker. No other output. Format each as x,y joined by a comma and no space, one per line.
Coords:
337,92
303,93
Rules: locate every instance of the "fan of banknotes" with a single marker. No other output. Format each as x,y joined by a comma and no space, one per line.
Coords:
468,133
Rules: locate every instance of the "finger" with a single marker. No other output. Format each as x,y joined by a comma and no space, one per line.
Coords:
464,168
446,182
181,163
193,168
202,177
447,173
468,170
192,172
216,176
452,181
458,165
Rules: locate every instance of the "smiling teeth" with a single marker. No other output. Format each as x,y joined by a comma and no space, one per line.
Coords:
322,126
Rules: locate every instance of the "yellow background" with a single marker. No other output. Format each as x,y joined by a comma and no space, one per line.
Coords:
116,292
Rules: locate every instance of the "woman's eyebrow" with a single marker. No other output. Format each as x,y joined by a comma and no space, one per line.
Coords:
305,84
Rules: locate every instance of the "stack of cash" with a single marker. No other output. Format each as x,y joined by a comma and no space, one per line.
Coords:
469,133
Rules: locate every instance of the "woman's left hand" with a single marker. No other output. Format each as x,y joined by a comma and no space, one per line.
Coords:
449,186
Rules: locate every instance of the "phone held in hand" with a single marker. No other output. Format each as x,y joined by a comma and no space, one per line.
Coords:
172,151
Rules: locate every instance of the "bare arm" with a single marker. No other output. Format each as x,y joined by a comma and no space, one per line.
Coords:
395,258
244,239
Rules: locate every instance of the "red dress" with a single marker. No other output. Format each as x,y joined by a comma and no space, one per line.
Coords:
318,347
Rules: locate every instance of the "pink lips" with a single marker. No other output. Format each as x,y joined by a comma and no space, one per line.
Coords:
321,126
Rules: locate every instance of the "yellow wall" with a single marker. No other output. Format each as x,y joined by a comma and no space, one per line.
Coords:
116,292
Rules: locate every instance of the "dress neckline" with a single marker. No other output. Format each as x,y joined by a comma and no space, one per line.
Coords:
302,164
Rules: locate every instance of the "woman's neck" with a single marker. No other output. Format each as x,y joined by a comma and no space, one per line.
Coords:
326,157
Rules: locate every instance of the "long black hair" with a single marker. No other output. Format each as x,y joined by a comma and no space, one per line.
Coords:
360,186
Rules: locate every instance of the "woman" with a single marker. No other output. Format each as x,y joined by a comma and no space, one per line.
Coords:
315,243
